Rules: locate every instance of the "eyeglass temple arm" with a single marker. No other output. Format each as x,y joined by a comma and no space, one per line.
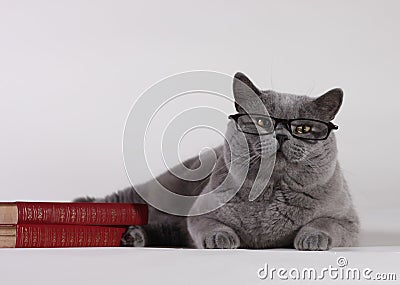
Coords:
333,126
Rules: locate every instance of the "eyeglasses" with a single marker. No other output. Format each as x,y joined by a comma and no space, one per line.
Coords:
307,129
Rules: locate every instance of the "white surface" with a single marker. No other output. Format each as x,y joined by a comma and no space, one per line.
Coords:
178,266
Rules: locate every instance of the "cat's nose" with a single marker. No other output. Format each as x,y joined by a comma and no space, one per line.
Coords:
281,138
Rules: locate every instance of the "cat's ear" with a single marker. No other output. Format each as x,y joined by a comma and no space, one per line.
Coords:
329,103
243,90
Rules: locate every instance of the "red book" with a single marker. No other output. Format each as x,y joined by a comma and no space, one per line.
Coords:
31,235
73,213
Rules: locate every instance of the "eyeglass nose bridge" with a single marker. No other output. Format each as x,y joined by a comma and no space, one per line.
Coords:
284,122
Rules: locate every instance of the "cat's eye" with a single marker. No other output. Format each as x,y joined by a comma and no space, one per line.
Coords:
303,129
255,124
262,122
310,129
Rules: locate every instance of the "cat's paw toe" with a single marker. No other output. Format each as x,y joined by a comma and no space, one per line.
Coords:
222,240
134,236
317,240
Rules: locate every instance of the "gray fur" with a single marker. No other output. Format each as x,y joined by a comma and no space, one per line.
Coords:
306,203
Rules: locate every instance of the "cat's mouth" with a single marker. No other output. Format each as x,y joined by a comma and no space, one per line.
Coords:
289,153
280,160
279,150
282,153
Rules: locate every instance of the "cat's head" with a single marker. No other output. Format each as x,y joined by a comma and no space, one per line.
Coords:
290,143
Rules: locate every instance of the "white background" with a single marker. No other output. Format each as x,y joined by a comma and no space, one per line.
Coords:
70,70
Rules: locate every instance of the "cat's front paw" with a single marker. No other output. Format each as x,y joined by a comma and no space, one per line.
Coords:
313,240
134,236
223,239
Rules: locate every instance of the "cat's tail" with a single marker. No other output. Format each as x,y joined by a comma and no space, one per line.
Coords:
127,195
84,199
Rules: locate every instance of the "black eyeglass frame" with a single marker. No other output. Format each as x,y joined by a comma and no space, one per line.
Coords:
287,123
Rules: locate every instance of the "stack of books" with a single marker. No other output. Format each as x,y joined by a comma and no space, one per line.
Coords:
47,224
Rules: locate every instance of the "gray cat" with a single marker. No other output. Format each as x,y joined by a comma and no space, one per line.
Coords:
305,204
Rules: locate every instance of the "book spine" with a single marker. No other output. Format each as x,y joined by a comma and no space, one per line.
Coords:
44,236
82,213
